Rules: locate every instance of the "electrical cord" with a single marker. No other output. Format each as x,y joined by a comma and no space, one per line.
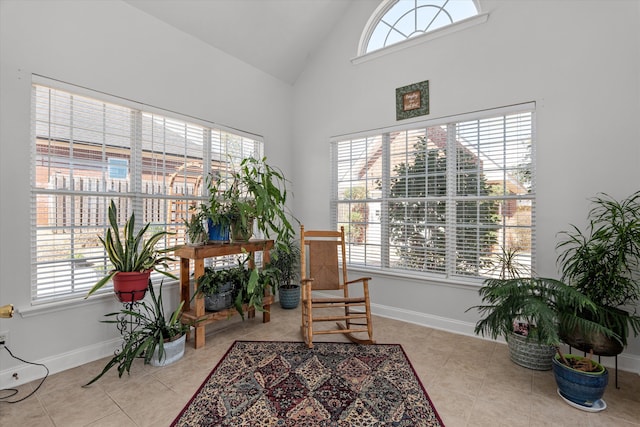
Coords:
15,391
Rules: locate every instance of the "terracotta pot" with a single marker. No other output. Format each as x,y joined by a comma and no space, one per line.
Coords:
131,286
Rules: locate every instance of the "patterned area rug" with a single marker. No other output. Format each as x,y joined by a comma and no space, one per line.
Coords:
333,384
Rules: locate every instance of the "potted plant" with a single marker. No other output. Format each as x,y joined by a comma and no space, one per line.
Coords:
220,286
216,212
543,304
581,381
286,264
540,303
150,334
132,258
602,263
252,291
258,192
196,232
523,350
236,286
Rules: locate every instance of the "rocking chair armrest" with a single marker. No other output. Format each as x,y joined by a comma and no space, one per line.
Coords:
361,279
306,281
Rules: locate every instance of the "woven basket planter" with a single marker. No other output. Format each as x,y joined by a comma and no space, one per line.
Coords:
530,354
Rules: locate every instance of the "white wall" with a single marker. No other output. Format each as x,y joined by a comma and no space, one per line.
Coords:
112,47
580,63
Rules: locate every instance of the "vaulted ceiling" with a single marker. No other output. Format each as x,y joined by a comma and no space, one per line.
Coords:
275,36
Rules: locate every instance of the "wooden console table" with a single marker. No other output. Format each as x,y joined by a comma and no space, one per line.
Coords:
196,315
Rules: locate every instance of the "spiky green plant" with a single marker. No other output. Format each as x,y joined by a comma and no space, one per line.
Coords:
131,253
148,329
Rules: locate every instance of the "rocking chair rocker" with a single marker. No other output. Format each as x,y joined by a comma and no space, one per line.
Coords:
320,270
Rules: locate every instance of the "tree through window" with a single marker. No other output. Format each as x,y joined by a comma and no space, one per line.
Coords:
444,199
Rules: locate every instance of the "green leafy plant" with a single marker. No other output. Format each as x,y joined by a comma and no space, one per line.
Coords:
258,191
210,282
602,262
131,253
538,301
285,259
532,307
148,329
249,284
253,293
196,231
217,208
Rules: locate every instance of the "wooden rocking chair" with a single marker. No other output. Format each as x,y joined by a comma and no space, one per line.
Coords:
320,270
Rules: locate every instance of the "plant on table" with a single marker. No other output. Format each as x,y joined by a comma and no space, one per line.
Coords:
195,229
258,191
216,210
132,253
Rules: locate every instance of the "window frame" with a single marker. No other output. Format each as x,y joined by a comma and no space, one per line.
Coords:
449,276
362,55
215,154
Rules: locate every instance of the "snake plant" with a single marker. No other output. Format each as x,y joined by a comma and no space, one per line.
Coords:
131,253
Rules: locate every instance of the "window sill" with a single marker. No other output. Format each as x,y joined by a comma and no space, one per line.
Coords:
460,282
414,41
63,305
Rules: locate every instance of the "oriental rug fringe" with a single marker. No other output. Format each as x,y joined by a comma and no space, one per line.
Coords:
333,384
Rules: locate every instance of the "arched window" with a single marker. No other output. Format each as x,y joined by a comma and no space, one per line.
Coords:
395,21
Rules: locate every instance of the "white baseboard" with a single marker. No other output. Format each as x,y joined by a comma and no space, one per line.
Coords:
27,372
626,362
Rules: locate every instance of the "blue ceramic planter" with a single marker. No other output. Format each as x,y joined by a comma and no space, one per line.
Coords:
582,388
217,232
289,297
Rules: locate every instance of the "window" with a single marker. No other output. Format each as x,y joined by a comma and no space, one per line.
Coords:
439,198
396,21
89,149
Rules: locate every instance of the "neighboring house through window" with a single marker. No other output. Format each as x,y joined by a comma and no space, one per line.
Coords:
90,148
438,197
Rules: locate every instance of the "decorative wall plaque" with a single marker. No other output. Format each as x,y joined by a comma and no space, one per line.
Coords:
412,100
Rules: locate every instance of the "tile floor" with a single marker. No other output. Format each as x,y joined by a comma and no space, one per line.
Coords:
471,382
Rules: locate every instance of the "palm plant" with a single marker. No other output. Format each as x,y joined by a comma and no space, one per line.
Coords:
516,300
542,302
131,253
603,261
286,262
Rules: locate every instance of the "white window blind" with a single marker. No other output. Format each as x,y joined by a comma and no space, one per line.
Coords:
88,151
445,198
